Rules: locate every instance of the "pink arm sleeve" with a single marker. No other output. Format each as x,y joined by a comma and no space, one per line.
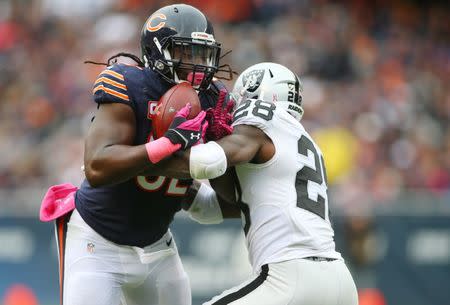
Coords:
160,148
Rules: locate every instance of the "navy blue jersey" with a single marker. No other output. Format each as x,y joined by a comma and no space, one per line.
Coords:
139,211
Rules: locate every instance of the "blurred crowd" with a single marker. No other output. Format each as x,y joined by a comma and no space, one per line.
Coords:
375,76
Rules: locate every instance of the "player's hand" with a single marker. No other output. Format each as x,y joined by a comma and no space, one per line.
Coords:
220,117
187,132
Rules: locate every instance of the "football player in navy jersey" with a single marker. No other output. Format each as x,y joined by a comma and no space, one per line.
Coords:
116,245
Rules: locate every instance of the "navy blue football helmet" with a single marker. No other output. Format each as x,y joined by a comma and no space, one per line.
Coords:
177,41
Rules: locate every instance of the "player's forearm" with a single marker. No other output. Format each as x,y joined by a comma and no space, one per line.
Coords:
224,186
225,191
205,207
117,163
175,166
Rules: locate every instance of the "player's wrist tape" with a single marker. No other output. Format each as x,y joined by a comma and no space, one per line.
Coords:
205,208
207,161
160,148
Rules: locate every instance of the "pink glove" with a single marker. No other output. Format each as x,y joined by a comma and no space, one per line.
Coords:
187,132
220,118
182,134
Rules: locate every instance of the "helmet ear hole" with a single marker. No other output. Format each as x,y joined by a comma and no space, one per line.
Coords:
159,65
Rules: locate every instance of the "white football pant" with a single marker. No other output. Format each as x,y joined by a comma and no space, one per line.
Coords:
95,271
294,282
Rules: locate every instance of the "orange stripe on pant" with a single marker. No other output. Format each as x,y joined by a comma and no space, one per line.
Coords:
61,227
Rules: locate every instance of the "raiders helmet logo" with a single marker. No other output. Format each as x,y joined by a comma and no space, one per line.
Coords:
252,80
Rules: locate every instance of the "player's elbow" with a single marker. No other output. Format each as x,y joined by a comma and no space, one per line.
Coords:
207,161
95,175
94,178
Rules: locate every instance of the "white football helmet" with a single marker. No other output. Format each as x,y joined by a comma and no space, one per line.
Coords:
271,82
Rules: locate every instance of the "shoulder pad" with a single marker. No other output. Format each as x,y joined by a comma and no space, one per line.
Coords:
110,86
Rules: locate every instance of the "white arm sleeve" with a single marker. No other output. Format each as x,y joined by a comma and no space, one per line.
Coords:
207,161
205,208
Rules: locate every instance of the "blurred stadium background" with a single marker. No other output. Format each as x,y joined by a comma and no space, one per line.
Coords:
376,97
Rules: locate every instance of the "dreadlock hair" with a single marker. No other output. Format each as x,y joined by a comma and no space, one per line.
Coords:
113,59
225,68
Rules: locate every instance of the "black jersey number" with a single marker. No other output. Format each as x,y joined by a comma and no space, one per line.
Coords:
307,174
262,109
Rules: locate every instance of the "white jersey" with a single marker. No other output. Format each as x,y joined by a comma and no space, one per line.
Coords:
284,201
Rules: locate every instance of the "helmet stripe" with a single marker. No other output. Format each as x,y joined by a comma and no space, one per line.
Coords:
297,87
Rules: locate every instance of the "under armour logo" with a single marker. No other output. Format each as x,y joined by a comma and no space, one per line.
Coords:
195,136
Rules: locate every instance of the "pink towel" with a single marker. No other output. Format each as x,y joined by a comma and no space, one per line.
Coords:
58,201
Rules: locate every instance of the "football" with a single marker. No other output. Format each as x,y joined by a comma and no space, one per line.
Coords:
172,101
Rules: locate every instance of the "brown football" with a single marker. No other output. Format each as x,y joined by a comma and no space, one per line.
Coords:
172,101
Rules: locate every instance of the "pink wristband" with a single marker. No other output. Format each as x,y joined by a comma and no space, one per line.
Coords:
159,149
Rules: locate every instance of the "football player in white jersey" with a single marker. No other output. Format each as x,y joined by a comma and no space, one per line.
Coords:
281,189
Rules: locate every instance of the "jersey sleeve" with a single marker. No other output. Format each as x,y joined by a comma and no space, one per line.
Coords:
110,87
255,113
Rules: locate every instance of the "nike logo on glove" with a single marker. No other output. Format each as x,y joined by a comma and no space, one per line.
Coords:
168,242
